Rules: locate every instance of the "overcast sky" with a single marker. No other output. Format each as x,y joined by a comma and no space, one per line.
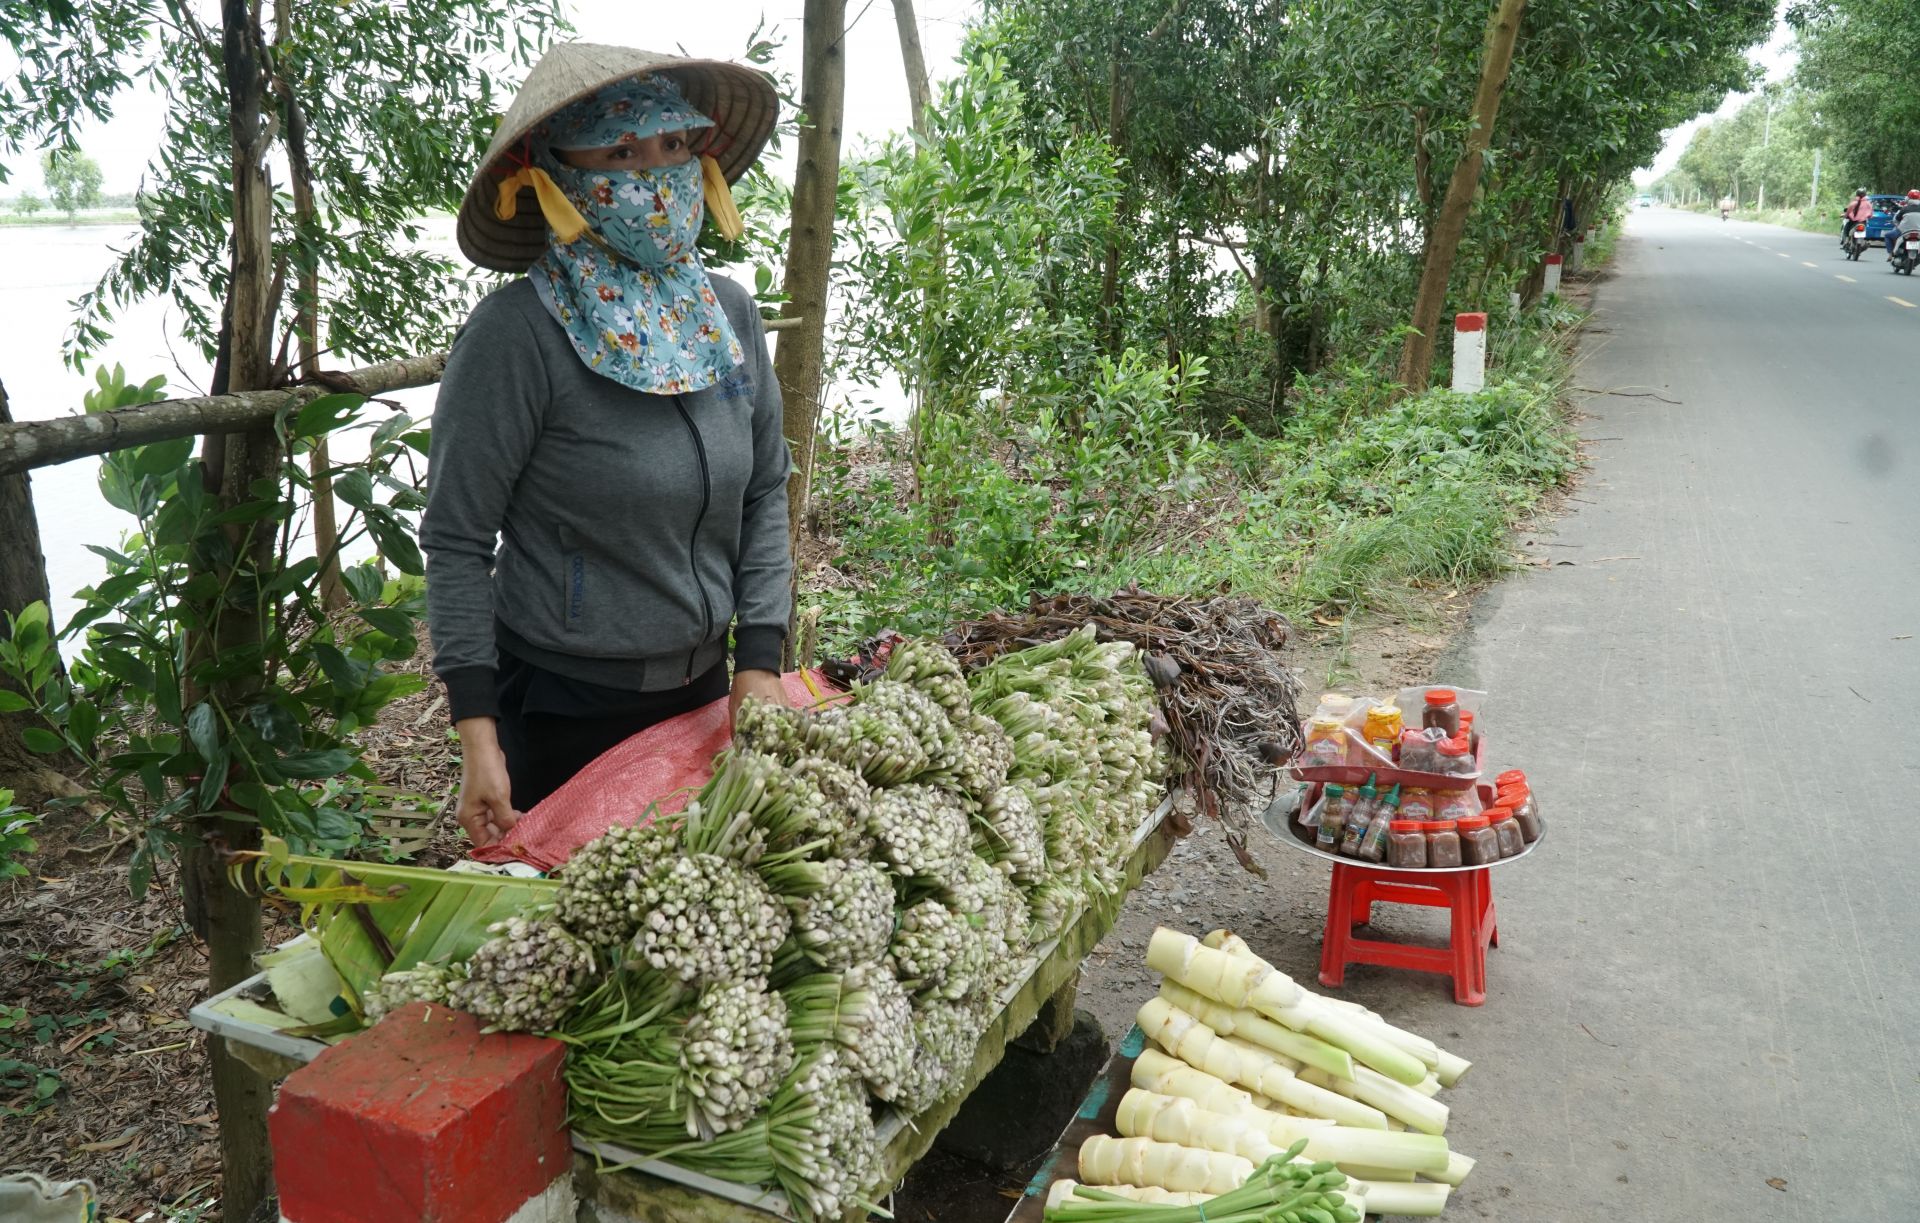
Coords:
876,86
718,29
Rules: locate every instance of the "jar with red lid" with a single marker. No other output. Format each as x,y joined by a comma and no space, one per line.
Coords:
1527,815
1454,804
1417,804
1456,757
1506,830
1407,844
1469,731
1442,709
1443,843
1479,844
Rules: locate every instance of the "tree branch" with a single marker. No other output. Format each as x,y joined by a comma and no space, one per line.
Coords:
42,443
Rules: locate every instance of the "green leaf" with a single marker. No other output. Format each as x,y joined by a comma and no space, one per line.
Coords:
389,620
83,724
40,739
13,702
327,413
396,542
140,870
363,583
347,674
355,487
313,765
203,727
162,458
275,724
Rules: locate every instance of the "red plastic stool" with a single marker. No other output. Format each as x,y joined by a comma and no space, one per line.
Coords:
1467,894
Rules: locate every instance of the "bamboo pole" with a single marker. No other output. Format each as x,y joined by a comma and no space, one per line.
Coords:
25,445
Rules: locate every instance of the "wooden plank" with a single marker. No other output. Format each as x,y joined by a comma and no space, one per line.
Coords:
635,1196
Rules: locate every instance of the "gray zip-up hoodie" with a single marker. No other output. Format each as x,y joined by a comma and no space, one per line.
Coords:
633,529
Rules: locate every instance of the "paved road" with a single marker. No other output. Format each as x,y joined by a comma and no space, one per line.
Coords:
1707,1003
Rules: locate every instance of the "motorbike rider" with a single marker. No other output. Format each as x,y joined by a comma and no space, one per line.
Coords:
1726,206
1906,220
1856,213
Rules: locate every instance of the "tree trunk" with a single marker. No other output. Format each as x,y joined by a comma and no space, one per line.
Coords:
23,580
1110,330
226,918
919,92
306,317
1416,358
816,184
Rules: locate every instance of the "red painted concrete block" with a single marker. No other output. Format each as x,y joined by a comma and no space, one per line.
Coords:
422,1118
1476,321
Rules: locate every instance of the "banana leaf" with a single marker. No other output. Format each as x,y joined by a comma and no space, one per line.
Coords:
371,919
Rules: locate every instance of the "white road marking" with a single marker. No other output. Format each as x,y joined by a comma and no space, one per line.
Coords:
1805,264
1850,280
1783,254
1900,301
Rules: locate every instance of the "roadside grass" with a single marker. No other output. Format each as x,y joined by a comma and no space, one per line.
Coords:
1359,505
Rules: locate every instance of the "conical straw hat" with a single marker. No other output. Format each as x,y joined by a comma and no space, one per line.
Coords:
740,101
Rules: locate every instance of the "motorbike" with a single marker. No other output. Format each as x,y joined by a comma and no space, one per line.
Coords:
1855,243
1906,252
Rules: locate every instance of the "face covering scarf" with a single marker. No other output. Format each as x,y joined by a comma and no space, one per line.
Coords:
636,305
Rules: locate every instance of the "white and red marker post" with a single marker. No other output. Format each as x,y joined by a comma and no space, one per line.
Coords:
1551,287
1469,351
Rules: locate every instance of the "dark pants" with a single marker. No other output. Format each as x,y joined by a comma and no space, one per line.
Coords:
545,746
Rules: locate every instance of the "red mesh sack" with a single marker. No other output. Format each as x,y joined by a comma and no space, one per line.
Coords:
664,764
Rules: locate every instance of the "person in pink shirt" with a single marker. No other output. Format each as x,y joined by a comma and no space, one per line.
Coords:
1856,212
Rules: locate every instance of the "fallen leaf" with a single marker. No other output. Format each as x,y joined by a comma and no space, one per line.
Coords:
1904,637
111,1144
1777,1183
84,1037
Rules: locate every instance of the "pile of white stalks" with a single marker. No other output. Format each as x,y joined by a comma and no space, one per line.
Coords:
1258,1100
833,922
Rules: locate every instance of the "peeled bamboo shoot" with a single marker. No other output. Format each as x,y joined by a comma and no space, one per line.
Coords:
1166,1165
1420,1200
1257,1028
1234,980
1146,1114
1396,1100
1419,1046
1458,1166
1246,1065
1257,985
1159,1072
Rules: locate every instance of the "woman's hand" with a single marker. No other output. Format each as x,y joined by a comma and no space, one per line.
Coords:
486,796
762,685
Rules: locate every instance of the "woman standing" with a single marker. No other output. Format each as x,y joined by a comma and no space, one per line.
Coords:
612,418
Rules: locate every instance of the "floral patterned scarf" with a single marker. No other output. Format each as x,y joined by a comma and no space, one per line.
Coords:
631,292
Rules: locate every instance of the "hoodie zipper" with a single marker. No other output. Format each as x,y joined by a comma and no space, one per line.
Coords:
693,541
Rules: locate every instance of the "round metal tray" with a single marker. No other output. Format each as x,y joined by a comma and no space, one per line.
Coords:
1278,820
